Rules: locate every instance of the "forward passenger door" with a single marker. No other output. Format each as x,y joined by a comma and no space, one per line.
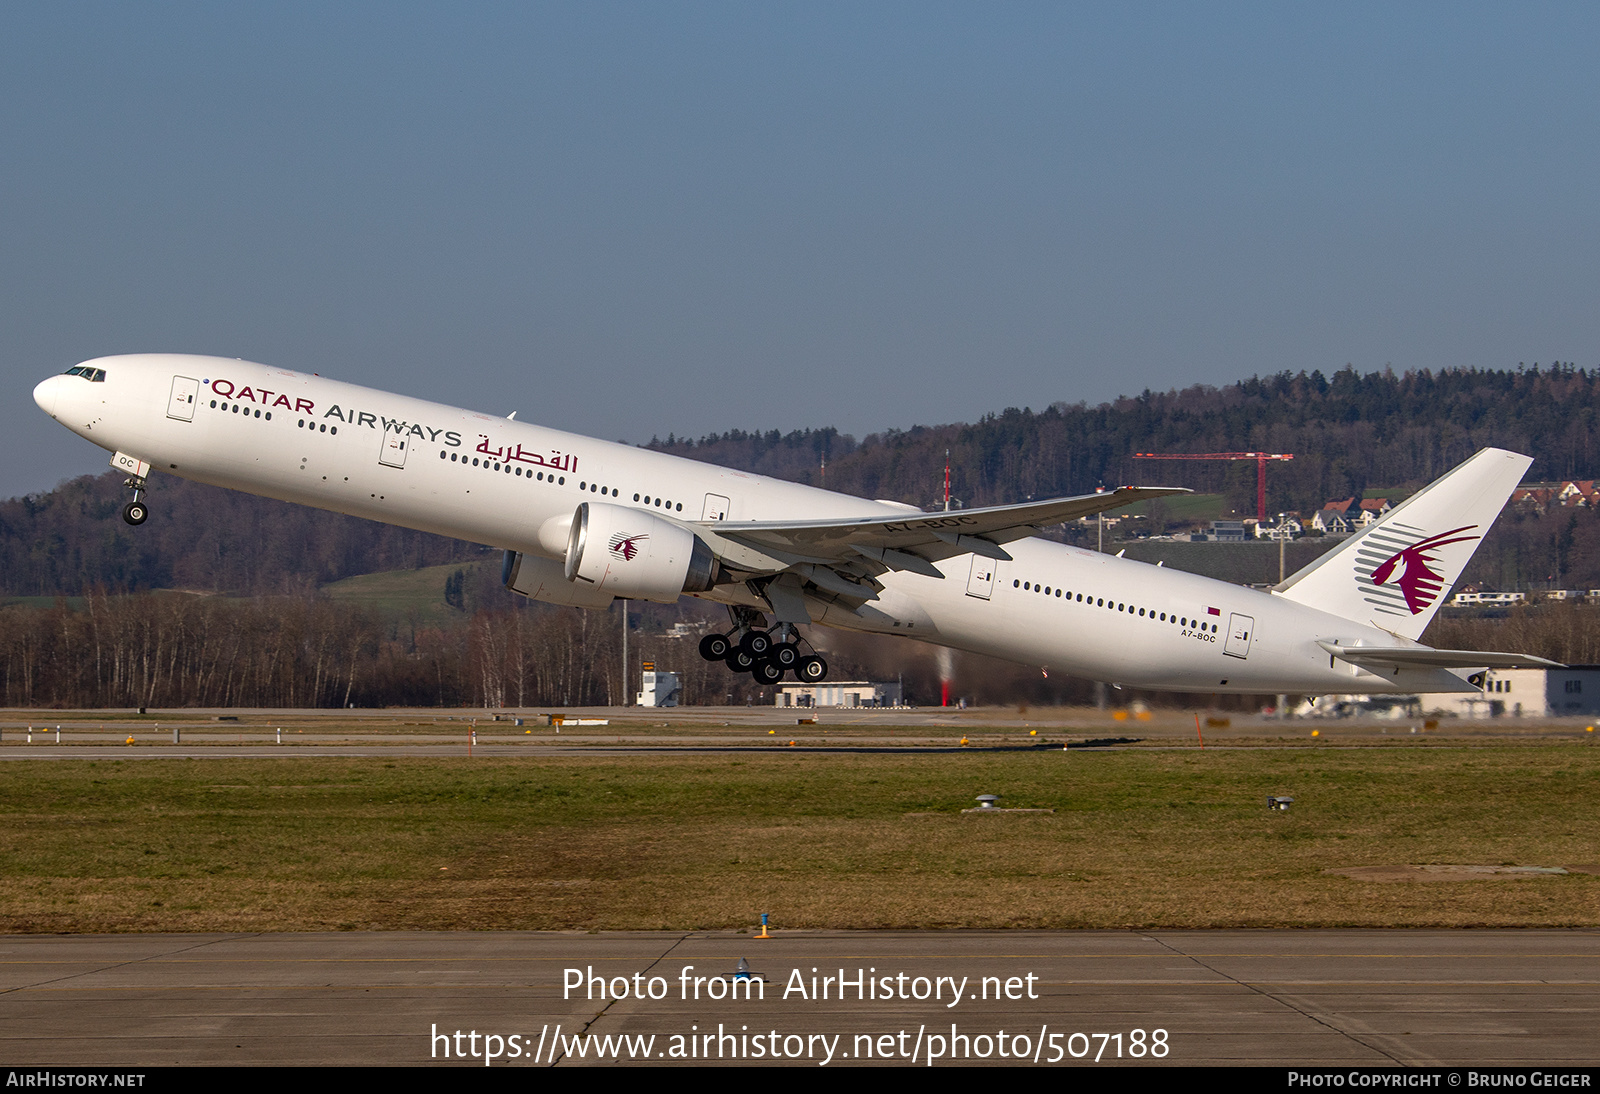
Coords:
393,452
181,404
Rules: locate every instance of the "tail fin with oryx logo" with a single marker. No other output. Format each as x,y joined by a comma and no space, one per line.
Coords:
1395,574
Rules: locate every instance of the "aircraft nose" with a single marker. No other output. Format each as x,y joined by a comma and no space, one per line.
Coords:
46,394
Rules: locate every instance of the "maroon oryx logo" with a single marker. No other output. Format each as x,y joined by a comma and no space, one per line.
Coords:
1417,580
625,547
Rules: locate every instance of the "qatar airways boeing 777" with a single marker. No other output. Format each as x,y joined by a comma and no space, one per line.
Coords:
584,521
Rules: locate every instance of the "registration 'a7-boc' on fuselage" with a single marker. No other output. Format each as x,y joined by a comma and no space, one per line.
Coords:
586,520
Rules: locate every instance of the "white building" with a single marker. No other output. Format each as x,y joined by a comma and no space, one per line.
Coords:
1372,511
1464,600
1573,691
1286,528
1332,521
846,693
657,689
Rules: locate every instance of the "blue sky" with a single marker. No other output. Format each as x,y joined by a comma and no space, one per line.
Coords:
630,219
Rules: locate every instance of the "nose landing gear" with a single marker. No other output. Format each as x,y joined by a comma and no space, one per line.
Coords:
136,512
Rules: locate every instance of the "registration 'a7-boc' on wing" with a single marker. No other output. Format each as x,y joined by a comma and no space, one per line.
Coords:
583,521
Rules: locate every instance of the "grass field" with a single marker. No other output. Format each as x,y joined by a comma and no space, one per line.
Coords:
1183,507
73,603
402,594
1140,838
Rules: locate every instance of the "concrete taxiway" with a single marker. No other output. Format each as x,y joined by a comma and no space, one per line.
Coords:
1305,998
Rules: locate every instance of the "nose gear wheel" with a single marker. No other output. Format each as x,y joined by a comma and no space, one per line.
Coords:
136,512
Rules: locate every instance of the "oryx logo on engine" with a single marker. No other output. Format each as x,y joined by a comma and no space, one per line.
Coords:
625,547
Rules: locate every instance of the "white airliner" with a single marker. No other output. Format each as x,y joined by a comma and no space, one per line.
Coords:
583,521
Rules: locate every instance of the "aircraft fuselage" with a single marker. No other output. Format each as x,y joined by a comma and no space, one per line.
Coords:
483,478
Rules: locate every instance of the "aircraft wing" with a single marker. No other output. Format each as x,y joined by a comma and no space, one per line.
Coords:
1421,657
910,542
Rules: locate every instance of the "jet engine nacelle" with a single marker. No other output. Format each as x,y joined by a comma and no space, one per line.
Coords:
543,579
633,554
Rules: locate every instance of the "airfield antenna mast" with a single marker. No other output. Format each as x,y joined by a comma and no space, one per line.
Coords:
1261,459
947,486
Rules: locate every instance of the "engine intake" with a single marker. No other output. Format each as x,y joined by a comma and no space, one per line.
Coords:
630,553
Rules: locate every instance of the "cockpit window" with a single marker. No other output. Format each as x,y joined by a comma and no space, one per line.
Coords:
93,375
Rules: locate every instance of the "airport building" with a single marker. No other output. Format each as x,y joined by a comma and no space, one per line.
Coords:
1569,692
658,689
1572,691
846,693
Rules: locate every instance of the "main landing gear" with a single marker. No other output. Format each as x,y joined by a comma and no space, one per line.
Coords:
765,655
136,512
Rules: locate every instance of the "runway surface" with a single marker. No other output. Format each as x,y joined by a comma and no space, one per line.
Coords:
1306,998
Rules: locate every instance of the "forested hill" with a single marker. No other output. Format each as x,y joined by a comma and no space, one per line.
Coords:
1350,433
72,539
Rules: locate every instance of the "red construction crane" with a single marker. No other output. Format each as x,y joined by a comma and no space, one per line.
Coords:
1261,459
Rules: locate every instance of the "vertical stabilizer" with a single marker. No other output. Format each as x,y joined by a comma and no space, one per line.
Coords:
1395,574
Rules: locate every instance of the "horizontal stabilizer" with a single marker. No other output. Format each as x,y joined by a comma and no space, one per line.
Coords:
1421,657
